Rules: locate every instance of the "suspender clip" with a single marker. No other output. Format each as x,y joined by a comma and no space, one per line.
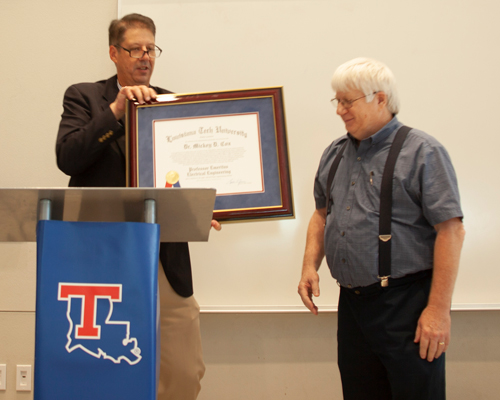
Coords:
384,280
385,238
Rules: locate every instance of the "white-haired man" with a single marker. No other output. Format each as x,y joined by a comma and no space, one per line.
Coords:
392,235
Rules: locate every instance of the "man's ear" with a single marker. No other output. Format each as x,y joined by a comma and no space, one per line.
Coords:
381,98
113,54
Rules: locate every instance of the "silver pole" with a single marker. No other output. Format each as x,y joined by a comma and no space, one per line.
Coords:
44,210
150,211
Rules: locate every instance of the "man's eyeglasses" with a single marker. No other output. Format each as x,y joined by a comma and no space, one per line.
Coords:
155,52
347,103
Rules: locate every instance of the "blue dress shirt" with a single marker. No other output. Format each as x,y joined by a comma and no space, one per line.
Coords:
425,193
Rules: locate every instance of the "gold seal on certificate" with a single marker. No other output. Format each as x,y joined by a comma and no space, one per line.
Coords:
172,179
232,141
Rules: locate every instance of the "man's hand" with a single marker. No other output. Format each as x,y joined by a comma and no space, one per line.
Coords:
142,94
216,225
434,324
309,286
309,282
433,333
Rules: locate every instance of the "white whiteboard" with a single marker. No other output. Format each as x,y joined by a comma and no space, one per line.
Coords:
446,58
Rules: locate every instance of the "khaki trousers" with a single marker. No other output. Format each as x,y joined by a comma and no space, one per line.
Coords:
181,361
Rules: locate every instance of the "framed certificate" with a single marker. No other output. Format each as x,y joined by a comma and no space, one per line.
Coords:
232,141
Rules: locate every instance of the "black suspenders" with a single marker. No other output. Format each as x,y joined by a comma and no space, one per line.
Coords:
384,227
331,175
385,201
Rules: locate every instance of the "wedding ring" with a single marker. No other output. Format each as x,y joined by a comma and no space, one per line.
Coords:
441,343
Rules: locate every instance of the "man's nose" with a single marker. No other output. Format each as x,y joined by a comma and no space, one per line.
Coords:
341,110
145,55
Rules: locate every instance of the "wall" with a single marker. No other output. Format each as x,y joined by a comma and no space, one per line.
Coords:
52,44
47,46
293,356
444,55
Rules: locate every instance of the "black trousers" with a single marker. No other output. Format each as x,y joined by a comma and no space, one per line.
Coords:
377,357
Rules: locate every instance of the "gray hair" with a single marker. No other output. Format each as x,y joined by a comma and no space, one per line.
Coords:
368,76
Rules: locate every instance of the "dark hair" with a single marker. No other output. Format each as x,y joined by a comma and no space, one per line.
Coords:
118,27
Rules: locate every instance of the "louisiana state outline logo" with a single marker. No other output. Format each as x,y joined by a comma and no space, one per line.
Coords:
91,325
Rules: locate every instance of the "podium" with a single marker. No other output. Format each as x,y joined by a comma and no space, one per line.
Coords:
97,330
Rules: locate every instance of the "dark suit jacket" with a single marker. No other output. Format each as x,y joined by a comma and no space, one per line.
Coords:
91,149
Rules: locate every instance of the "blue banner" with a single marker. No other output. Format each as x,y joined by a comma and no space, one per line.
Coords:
96,311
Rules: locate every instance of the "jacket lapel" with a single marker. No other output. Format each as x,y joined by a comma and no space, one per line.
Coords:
110,92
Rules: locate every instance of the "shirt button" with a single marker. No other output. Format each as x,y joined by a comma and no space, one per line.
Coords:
349,286
342,233
343,261
353,183
348,208
357,291
359,158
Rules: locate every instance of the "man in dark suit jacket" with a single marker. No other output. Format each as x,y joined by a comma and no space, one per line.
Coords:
91,149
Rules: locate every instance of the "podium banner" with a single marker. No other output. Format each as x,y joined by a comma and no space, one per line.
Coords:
96,311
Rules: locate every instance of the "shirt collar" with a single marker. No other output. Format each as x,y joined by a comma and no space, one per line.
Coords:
120,86
383,133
